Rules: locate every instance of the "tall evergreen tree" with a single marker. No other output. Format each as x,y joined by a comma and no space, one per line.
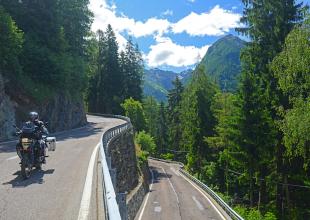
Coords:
133,71
174,107
162,129
113,75
267,23
104,95
151,111
197,120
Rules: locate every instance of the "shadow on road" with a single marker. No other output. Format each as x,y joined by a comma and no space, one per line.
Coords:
87,131
159,175
35,178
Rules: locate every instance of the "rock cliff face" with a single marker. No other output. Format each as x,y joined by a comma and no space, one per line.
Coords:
7,113
62,112
122,151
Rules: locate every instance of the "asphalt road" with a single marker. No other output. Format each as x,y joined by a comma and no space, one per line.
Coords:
172,197
56,191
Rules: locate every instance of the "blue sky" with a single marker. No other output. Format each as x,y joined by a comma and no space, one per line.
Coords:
172,34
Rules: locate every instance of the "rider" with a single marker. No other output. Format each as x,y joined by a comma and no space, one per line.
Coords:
34,118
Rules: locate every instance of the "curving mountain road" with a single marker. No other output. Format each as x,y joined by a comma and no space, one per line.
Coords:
56,191
173,197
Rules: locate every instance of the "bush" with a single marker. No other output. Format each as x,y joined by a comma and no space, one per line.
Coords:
253,214
145,142
167,156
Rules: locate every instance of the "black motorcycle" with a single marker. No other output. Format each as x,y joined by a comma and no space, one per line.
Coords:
30,148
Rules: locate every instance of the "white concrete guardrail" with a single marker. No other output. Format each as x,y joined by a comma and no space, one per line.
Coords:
115,204
219,200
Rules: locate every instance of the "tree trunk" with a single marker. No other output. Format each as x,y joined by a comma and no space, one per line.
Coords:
279,196
262,196
251,187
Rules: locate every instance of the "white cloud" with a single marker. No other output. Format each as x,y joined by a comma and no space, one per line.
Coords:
168,12
105,14
215,23
151,27
191,0
166,52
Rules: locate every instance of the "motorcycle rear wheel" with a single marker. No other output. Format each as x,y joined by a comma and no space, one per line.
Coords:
25,170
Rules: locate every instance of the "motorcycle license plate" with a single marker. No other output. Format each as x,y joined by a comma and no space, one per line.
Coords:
26,143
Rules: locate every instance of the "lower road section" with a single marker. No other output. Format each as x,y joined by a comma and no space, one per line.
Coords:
174,197
56,191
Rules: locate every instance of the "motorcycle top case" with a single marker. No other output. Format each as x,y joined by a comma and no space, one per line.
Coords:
51,143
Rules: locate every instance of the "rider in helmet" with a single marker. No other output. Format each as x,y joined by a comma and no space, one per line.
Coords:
34,118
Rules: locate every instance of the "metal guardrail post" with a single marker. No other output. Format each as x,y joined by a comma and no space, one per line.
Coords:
116,208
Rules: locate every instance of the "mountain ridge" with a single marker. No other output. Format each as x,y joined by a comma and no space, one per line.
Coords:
221,61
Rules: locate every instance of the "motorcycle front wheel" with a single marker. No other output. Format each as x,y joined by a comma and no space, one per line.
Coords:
39,166
25,169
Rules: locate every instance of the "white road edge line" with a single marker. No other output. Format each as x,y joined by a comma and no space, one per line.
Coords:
147,197
203,193
198,203
175,171
171,185
86,197
12,158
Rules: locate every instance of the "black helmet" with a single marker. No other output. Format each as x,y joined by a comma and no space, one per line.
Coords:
33,116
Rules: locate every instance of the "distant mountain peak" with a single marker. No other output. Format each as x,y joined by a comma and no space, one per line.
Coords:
222,61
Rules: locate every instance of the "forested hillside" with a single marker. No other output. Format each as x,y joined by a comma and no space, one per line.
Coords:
43,61
222,62
157,82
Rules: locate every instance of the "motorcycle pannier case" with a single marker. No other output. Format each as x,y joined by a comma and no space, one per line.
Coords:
51,143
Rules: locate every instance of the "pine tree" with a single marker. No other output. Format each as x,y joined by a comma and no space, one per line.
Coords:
225,147
100,79
197,120
113,75
150,107
133,71
174,107
104,83
162,129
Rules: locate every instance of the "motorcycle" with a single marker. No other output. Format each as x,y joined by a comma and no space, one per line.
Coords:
31,147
